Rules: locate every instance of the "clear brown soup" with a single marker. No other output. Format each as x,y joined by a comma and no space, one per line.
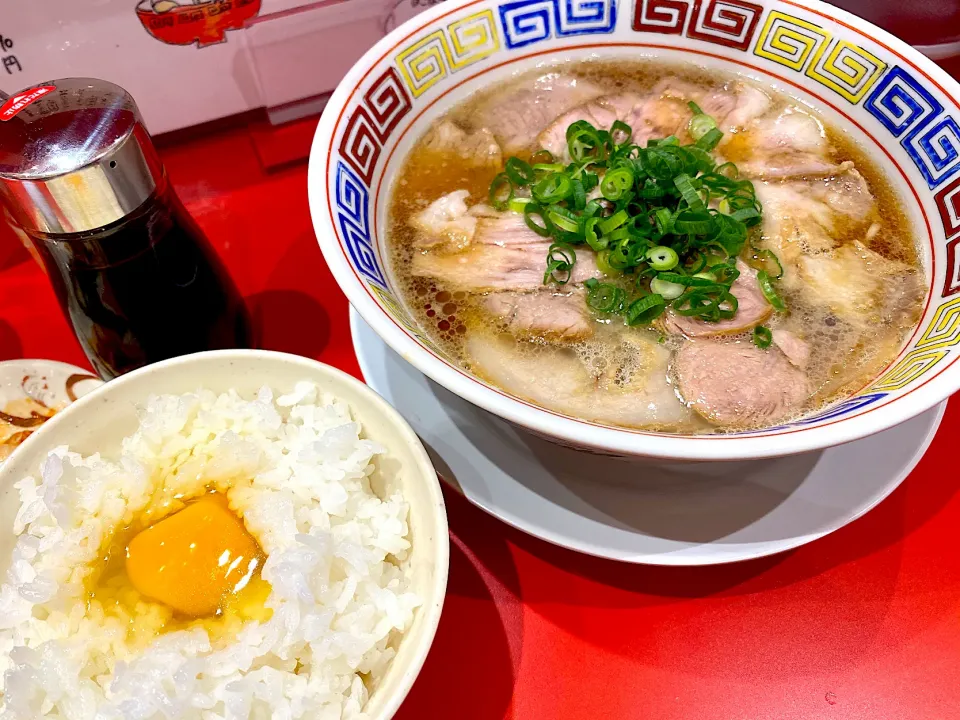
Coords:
830,230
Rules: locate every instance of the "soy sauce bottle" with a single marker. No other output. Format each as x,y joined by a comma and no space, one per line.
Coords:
135,276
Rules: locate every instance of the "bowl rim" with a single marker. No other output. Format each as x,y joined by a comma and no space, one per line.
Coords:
432,606
563,428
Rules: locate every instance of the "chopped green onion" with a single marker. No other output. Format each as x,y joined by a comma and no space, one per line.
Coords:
542,227
620,134
554,188
501,192
560,261
688,192
595,242
664,219
767,261
700,124
668,221
603,263
549,167
614,221
645,310
667,290
710,139
518,205
519,172
564,223
604,297
615,183
690,222
663,258
766,287
762,337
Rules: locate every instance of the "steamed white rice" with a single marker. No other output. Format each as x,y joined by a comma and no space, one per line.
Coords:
335,556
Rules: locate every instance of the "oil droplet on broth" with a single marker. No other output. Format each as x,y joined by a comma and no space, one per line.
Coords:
196,566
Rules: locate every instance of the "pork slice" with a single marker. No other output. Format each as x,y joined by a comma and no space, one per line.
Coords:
738,385
862,287
633,391
796,350
752,310
733,107
601,113
477,148
792,144
516,116
544,314
445,222
486,267
750,103
811,216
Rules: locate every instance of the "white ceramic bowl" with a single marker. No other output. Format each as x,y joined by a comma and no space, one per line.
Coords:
99,421
890,99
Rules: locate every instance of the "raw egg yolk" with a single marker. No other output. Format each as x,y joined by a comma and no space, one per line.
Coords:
194,560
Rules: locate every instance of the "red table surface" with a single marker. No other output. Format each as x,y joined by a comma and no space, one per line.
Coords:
862,624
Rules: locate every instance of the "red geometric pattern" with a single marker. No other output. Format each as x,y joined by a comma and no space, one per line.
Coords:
388,102
731,23
385,105
951,284
359,145
948,203
725,22
668,17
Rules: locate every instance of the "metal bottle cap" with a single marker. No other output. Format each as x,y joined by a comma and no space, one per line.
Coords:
74,156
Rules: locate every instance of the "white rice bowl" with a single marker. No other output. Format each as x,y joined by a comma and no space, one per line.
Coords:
299,473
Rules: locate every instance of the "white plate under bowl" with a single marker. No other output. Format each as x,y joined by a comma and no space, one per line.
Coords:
654,514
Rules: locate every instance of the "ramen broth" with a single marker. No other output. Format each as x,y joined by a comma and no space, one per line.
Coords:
851,283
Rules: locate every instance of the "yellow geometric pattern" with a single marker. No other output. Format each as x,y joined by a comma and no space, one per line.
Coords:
944,329
422,64
462,43
846,68
400,315
788,40
913,365
472,38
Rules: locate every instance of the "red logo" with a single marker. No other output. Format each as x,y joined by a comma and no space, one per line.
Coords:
204,22
18,102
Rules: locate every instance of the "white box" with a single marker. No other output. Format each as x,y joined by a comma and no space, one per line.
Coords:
191,61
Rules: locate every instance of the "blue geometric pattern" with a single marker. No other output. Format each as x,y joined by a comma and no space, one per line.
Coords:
845,408
353,211
907,109
900,102
529,21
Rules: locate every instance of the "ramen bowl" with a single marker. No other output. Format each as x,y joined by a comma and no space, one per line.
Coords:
894,103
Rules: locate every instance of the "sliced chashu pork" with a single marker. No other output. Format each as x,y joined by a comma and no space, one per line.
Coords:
632,390
661,112
476,148
796,349
862,287
738,385
544,314
518,114
791,144
810,216
445,222
504,254
752,310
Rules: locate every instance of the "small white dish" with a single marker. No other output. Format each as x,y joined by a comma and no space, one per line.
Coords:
48,382
635,511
